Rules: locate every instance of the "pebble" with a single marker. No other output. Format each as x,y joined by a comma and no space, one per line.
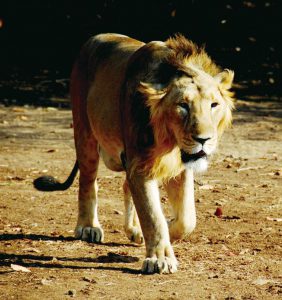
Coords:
71,292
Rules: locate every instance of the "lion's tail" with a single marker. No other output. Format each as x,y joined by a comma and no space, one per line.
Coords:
50,184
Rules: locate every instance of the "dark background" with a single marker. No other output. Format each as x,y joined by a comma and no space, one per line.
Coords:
39,40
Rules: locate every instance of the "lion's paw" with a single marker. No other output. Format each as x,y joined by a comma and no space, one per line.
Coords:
135,235
164,265
178,230
89,234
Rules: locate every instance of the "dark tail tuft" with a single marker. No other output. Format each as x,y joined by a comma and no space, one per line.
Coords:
50,184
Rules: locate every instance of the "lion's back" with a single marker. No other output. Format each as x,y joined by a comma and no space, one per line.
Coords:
100,71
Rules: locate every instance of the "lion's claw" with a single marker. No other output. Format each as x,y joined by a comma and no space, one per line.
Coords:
90,234
159,265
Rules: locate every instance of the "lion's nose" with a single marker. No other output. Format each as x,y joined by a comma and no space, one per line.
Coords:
200,140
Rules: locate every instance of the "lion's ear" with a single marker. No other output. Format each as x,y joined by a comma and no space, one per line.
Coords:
225,79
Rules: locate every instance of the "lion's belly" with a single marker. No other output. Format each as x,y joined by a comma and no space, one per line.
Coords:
104,116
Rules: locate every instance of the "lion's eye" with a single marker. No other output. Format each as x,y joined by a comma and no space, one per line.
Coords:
183,109
214,104
184,106
180,73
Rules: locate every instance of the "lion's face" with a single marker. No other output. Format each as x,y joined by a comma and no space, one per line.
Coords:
185,98
194,111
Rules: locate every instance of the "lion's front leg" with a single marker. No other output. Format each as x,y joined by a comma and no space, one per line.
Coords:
159,253
181,196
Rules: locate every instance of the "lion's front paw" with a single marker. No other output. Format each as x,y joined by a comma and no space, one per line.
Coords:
135,234
89,234
164,265
160,259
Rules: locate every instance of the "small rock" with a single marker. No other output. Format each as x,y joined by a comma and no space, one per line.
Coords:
218,212
212,275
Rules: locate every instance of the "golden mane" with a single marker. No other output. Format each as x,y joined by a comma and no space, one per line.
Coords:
186,52
163,160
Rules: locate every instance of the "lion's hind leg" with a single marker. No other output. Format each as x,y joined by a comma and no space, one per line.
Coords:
88,227
131,223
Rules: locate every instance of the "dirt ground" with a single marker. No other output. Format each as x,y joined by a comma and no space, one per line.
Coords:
237,256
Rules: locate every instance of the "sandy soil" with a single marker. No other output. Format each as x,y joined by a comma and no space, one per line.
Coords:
237,256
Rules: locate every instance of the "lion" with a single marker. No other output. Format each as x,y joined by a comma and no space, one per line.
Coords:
155,111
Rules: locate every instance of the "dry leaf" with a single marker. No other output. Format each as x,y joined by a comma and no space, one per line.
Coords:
23,118
249,168
274,219
46,282
88,279
31,250
118,212
244,251
18,109
20,268
206,187
51,109
260,281
51,150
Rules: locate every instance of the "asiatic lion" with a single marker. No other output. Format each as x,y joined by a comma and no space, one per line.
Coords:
155,111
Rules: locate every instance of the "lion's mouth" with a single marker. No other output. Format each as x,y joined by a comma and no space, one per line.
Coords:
186,157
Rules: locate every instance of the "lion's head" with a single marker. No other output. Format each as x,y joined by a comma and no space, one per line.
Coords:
188,99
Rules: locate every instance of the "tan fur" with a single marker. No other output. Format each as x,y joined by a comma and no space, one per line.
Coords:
147,103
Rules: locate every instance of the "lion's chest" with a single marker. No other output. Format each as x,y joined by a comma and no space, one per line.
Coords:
168,166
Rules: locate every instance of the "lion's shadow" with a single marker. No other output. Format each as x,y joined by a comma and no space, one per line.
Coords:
45,261
41,237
